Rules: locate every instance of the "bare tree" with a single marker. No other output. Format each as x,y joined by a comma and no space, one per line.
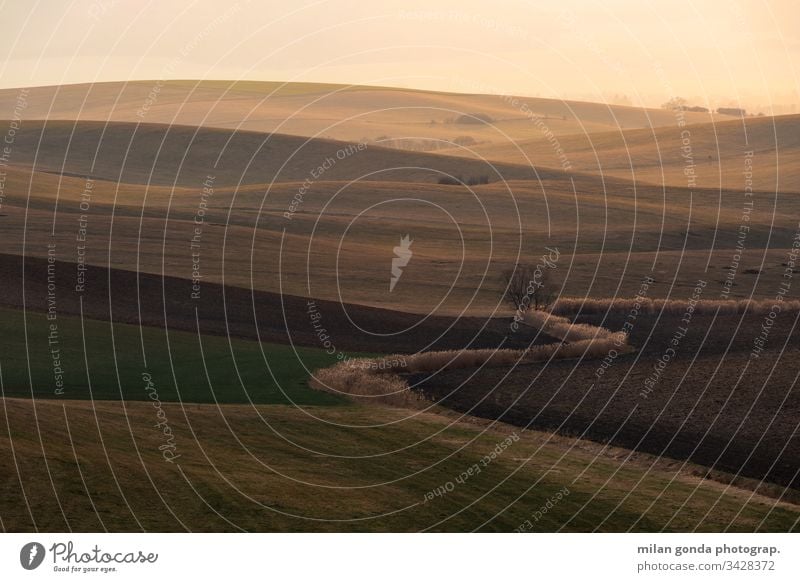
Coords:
527,286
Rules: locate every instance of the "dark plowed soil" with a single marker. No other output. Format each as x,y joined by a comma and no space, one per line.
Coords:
712,404
151,300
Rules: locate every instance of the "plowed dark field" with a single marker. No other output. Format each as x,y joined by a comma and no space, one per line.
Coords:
166,302
712,403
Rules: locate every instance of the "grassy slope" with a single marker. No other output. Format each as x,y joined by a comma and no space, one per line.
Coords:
274,469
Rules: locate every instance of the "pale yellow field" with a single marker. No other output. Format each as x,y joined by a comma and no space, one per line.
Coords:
664,155
352,113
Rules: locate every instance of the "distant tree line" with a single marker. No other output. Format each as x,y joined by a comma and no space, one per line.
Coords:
474,119
680,104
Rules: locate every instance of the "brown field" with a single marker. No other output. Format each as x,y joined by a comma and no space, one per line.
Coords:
713,404
165,302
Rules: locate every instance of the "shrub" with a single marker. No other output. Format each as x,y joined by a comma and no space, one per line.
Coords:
474,119
527,287
465,140
476,180
379,380
358,378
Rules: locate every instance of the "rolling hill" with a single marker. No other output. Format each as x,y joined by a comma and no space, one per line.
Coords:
406,118
708,155
179,155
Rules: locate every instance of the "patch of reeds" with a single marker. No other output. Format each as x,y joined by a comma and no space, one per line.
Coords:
573,305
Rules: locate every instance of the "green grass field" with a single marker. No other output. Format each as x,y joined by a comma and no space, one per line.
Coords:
183,366
273,468
334,466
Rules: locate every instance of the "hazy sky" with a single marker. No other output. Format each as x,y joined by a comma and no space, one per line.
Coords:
724,51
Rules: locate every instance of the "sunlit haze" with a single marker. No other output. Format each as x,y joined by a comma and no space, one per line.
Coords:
714,52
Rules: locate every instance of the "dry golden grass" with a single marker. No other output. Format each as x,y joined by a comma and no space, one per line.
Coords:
563,329
572,305
656,155
378,380
360,380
